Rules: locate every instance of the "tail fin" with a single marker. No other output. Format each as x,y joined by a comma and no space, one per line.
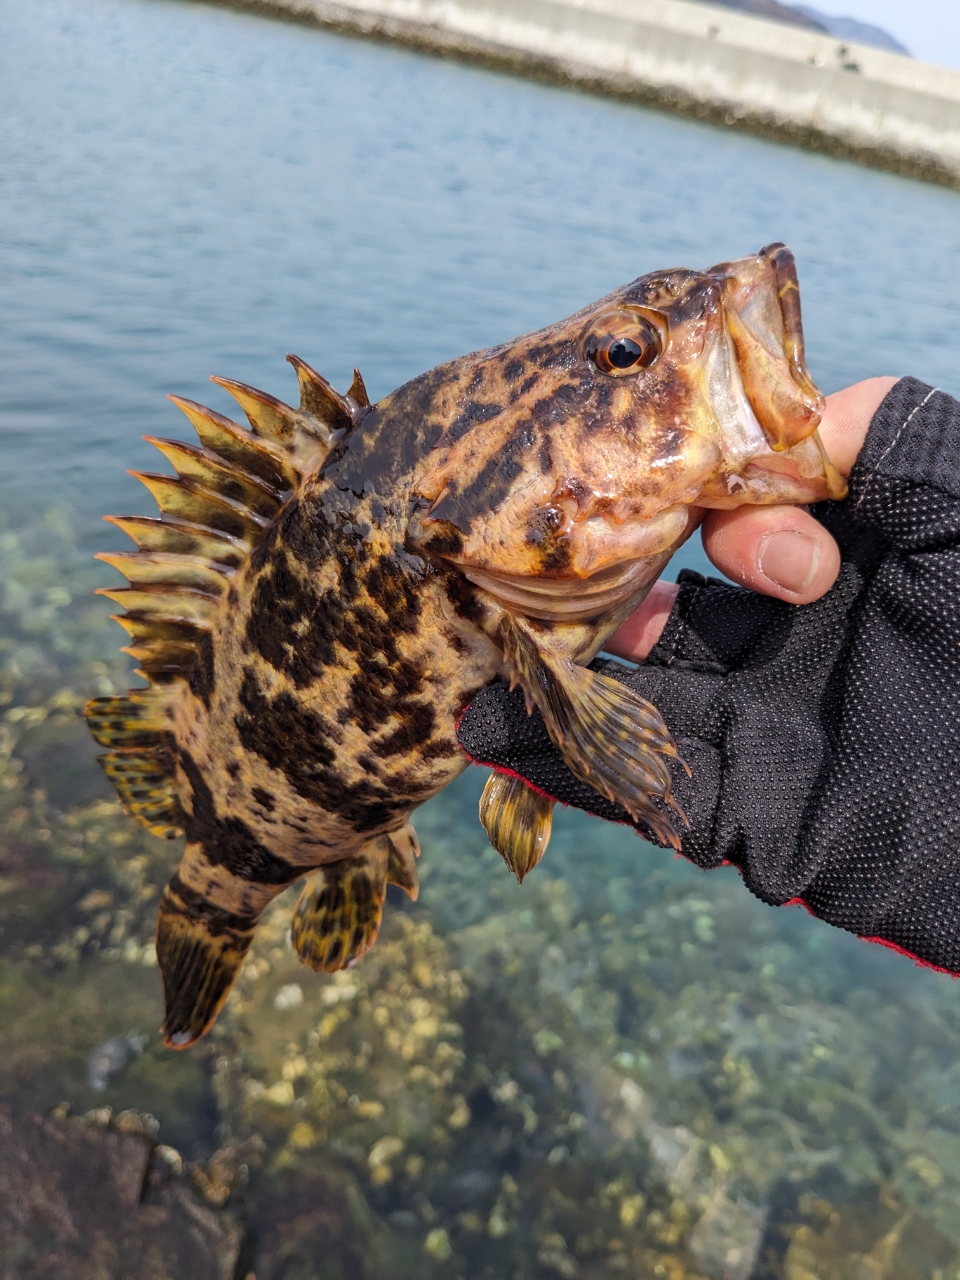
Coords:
200,948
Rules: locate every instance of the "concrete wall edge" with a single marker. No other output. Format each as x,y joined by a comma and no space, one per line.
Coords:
827,137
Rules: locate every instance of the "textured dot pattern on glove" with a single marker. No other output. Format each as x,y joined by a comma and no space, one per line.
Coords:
823,740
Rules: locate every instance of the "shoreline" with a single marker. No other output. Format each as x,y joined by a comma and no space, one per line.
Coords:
761,77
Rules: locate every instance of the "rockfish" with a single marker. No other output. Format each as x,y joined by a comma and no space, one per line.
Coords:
327,588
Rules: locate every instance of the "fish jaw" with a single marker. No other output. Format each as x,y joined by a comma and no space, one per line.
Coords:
612,594
761,298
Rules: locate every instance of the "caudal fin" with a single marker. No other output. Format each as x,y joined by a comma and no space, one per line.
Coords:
200,949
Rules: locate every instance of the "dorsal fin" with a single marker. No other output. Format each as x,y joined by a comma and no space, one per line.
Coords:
166,603
257,456
225,496
318,397
153,568
269,418
215,474
180,537
189,500
303,437
358,392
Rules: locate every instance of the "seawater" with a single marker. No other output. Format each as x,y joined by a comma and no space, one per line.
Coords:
624,1067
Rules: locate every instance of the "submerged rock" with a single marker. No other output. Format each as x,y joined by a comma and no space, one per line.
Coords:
94,1201
111,1056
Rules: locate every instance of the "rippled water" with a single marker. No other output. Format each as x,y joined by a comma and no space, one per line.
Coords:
644,1068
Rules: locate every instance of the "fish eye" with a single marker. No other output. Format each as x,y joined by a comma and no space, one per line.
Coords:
623,352
622,342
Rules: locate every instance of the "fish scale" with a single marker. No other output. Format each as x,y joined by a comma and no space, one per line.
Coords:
327,588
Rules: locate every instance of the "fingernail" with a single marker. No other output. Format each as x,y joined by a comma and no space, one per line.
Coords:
789,560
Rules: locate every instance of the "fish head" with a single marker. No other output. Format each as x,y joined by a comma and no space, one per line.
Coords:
566,466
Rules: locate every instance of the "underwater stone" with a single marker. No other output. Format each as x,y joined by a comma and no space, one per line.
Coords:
111,1056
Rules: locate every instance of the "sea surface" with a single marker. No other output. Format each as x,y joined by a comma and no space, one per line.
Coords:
623,1068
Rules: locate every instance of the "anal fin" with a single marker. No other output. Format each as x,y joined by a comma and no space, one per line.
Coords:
401,860
338,914
518,822
609,737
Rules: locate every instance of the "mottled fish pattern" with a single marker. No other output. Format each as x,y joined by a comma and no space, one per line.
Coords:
328,586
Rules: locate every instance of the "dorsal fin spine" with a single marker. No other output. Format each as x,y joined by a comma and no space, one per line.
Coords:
318,397
357,392
185,497
255,454
269,418
146,568
305,437
195,608
225,496
172,536
194,462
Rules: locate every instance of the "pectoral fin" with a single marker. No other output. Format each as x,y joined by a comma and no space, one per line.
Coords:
609,737
337,917
518,822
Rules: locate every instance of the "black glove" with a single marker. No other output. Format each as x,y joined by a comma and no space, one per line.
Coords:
823,739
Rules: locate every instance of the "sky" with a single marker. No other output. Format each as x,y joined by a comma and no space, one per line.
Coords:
930,29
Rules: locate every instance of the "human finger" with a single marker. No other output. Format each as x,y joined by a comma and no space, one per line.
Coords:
782,551
778,551
847,419
635,638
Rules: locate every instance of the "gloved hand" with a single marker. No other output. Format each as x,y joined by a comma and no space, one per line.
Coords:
823,739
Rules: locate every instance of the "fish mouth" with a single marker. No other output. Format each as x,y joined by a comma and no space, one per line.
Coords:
761,304
617,589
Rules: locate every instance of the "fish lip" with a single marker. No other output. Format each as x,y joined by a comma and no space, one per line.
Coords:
761,316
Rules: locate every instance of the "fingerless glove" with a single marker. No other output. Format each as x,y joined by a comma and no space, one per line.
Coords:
823,739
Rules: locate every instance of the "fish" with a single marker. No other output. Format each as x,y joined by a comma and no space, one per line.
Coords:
328,586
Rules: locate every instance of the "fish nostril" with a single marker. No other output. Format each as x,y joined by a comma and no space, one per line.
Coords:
544,521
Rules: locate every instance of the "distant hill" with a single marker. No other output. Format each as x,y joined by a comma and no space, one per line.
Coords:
773,9
854,29
803,15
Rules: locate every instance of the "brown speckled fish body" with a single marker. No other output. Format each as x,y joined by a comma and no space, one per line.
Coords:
326,591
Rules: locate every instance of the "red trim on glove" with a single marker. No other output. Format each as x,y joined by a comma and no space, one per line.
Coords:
921,964
512,773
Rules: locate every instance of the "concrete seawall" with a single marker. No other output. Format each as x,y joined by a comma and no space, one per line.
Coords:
697,59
